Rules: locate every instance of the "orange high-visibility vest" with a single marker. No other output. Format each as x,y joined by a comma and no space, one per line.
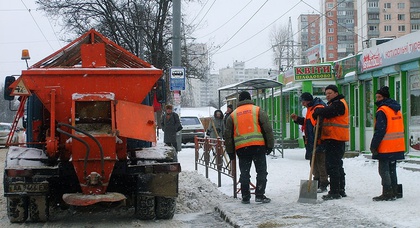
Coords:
393,140
337,128
310,112
247,131
313,121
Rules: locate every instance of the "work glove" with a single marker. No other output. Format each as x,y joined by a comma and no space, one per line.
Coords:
208,132
231,156
316,113
268,151
374,151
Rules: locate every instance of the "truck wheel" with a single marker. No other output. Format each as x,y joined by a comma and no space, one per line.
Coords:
17,209
165,207
39,208
145,207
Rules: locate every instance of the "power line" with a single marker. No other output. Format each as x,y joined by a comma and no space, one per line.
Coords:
205,13
241,27
300,29
228,20
260,30
37,25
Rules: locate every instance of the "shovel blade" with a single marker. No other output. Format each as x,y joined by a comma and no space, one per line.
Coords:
308,193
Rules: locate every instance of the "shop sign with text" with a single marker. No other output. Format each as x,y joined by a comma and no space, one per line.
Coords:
313,72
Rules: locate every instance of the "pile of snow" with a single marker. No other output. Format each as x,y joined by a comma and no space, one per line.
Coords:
196,193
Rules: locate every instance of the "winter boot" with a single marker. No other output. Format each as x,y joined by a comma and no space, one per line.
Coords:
334,190
322,187
262,199
387,194
342,191
245,199
398,192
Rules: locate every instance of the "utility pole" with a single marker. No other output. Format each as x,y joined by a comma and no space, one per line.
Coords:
176,60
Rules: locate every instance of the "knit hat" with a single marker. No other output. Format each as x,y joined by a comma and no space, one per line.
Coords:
332,87
230,106
306,97
384,91
244,95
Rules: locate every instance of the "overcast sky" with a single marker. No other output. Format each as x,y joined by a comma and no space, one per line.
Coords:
240,27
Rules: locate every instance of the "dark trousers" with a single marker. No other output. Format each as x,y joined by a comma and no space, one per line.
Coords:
388,172
320,171
334,152
246,156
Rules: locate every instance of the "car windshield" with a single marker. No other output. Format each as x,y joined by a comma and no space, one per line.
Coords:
190,121
5,128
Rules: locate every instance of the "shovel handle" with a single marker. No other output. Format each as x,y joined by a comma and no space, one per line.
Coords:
313,153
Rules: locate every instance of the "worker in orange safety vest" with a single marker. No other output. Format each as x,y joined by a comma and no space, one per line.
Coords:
249,133
388,144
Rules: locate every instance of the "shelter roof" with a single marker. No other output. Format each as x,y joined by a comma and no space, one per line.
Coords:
253,84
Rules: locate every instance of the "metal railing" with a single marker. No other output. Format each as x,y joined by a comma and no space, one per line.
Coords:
211,154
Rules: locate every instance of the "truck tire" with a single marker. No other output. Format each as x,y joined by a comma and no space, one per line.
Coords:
145,207
39,208
165,207
17,209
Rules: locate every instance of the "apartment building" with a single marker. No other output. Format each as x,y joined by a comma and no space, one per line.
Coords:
308,36
386,19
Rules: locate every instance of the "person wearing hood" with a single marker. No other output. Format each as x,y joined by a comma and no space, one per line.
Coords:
250,135
308,125
388,143
216,126
334,135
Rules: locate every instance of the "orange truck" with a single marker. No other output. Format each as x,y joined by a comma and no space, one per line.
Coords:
90,134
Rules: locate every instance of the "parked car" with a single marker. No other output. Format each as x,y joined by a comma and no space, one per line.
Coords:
4,133
192,127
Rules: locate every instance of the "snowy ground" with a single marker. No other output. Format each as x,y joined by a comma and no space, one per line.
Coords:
199,197
356,210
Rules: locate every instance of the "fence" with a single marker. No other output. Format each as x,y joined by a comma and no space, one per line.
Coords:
211,154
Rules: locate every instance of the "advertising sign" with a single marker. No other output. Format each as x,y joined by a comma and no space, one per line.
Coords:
177,78
313,72
392,52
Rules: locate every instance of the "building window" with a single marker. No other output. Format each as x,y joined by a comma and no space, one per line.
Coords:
312,37
330,5
415,27
330,38
331,55
415,15
349,21
373,16
387,28
330,14
401,5
401,17
331,30
341,12
387,17
373,28
330,22
373,4
401,28
330,47
387,5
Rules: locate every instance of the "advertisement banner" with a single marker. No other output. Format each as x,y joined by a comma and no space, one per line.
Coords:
313,72
393,52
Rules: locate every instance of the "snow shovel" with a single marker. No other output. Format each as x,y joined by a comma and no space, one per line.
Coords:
308,188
